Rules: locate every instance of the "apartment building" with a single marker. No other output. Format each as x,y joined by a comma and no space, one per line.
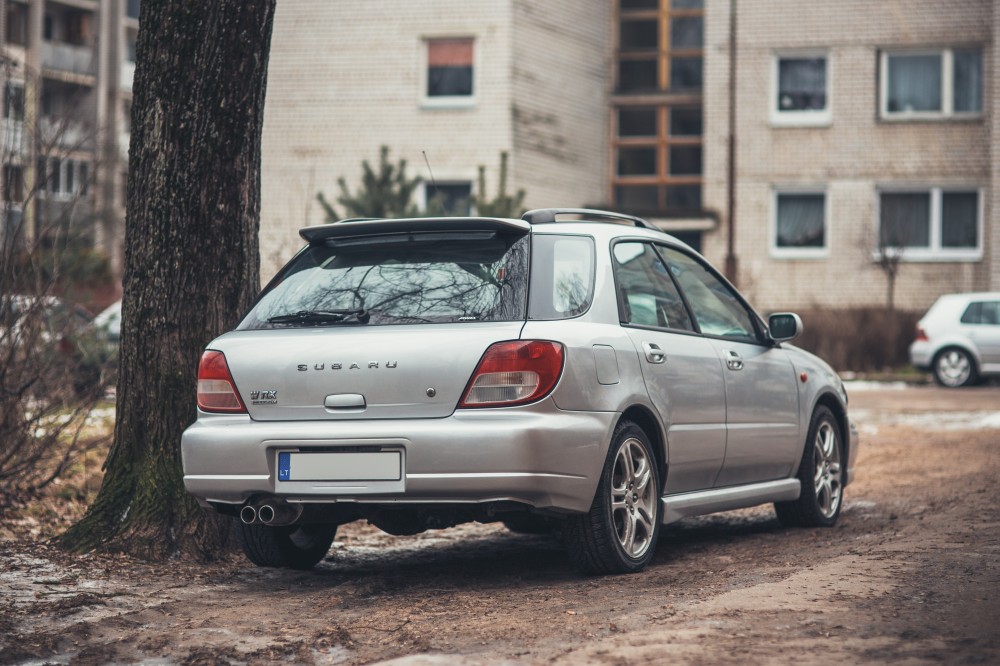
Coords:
855,131
66,72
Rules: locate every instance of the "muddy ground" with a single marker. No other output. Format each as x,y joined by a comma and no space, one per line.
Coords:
911,574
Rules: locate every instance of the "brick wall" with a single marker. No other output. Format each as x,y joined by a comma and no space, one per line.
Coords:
852,156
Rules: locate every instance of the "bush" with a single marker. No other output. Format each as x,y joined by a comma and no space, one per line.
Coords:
859,339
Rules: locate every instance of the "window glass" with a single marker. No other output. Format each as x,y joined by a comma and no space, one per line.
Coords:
968,81
685,121
637,161
449,67
800,221
405,278
801,84
905,219
636,121
636,75
715,307
687,4
959,219
13,101
636,197
648,296
562,276
686,32
639,35
685,73
448,198
685,160
683,197
914,83
982,312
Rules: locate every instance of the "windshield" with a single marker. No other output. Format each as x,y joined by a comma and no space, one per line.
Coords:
409,278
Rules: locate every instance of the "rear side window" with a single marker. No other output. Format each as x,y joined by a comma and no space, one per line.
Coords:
982,312
562,276
406,278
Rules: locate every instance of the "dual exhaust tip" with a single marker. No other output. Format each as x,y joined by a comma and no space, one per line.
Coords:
269,513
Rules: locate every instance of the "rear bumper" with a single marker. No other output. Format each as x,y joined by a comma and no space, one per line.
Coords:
538,455
921,355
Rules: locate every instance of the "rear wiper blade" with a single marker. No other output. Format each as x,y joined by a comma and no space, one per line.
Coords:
321,316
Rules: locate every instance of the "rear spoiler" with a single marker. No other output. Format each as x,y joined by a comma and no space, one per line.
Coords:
348,228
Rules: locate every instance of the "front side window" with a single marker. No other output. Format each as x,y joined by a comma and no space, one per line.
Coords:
402,278
799,224
717,310
929,84
801,90
449,68
648,296
932,224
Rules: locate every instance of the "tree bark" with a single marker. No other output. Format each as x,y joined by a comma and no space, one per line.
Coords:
192,261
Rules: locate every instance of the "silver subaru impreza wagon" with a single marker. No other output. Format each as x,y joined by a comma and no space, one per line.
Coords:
592,377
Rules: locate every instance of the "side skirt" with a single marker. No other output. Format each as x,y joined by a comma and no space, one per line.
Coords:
682,505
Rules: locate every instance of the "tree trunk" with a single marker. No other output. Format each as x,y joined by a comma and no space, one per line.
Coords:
191,260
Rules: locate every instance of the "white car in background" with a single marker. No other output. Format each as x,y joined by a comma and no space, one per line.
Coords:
958,340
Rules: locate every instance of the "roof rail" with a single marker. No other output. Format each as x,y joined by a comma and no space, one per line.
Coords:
548,216
359,219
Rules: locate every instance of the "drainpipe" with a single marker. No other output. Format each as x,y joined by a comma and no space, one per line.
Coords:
731,263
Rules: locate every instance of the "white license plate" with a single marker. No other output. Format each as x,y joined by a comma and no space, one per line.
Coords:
346,466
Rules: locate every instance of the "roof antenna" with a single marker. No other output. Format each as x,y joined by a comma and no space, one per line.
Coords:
428,163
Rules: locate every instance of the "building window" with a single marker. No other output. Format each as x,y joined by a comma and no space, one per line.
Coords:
17,24
931,224
63,178
13,183
132,9
799,224
13,101
660,46
450,70
448,198
658,132
932,84
801,90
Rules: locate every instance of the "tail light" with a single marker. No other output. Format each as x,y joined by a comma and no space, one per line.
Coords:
921,335
216,388
514,373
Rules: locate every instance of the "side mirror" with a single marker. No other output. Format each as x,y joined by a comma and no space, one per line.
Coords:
784,326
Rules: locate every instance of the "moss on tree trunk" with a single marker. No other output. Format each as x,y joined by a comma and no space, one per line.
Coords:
191,261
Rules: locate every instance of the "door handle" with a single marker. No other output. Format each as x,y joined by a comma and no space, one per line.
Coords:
653,352
733,360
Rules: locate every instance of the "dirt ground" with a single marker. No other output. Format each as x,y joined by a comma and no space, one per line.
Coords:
910,575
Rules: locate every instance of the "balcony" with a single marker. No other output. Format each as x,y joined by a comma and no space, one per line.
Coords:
68,135
68,59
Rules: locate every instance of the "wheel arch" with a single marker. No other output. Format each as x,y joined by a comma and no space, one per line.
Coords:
962,347
643,417
831,402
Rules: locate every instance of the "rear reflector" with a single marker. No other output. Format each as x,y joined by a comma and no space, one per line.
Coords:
216,388
514,373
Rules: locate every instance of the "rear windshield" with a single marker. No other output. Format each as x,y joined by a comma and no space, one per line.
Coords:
407,278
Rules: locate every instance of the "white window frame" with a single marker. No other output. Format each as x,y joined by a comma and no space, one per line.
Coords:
934,252
806,118
947,111
799,252
447,101
65,165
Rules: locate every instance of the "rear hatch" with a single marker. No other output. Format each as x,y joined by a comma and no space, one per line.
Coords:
380,320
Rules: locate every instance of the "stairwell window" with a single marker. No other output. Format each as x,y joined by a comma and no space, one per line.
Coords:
450,71
932,84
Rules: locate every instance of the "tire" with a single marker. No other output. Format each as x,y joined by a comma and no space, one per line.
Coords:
954,367
821,474
619,533
287,547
